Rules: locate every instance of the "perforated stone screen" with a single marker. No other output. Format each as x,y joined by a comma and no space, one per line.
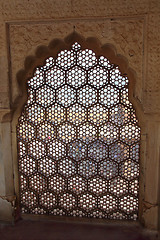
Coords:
78,140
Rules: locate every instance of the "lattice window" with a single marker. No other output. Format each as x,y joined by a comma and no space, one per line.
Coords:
78,140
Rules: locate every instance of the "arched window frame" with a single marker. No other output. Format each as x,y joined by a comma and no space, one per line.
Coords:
52,50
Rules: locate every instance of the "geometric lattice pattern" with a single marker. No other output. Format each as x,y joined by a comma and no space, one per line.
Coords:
78,140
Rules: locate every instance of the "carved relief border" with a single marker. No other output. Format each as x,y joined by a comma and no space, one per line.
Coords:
126,33
42,52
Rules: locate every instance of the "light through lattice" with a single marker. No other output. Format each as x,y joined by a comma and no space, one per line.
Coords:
78,140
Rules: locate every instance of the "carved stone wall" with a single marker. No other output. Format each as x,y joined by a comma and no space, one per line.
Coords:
117,32
132,27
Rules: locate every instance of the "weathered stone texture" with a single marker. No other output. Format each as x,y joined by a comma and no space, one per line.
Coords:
26,37
4,86
151,217
39,9
109,7
151,101
154,6
2,38
153,53
132,26
128,37
2,172
151,163
6,210
152,83
6,164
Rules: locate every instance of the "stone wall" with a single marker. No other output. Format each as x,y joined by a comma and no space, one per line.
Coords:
132,27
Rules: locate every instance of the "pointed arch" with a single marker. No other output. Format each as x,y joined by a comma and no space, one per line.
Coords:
78,81
38,60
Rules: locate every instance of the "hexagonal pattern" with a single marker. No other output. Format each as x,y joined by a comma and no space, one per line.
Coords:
66,96
66,59
37,80
118,151
98,77
57,211
129,169
87,201
27,165
45,96
56,114
26,131
97,214
76,213
77,184
77,150
107,202
120,115
108,169
87,168
56,183
28,198
118,186
86,59
134,187
109,96
76,114
67,201
35,114
108,133
31,96
47,199
46,132
23,182
22,149
87,133
37,183
49,63
134,152
117,79
38,210
66,132
97,185
97,151
87,96
78,139
125,98
129,204
98,114
117,215
66,167
76,46
46,166
56,149
76,77
104,62
130,133
36,149
55,77
22,119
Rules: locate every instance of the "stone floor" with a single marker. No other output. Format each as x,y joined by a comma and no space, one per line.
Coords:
51,230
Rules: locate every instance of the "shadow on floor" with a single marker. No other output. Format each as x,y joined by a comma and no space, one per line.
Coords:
50,230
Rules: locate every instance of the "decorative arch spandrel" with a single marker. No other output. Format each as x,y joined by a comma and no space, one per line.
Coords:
88,97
